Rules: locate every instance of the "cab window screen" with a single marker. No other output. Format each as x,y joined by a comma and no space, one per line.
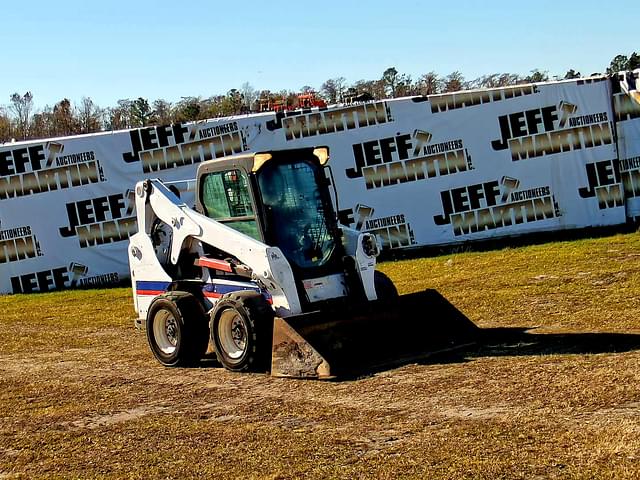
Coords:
214,198
296,214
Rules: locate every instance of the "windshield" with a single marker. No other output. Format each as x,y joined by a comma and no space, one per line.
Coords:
295,213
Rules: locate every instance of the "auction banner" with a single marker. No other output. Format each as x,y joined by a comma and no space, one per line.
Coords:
471,165
420,171
626,102
67,205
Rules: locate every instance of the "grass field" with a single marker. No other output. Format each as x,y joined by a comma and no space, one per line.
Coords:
82,397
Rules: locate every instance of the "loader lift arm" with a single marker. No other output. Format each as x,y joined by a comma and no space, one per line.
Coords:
268,264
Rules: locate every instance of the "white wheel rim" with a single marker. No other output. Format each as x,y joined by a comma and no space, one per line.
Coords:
232,332
165,331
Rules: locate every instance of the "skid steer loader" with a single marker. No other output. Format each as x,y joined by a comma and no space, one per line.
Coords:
262,273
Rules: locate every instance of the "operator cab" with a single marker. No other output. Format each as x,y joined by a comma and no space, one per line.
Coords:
282,199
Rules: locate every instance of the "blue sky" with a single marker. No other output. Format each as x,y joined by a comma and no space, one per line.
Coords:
166,49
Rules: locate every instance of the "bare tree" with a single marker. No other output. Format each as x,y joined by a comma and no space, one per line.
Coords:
249,95
537,76
161,114
571,74
21,107
232,103
375,88
212,107
89,115
6,129
64,122
265,100
289,99
189,109
405,86
119,117
333,89
429,84
496,80
454,82
42,123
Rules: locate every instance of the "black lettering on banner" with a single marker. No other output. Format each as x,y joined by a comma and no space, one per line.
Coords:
590,119
479,207
377,152
100,220
395,236
630,173
71,159
604,182
406,158
525,123
305,123
453,101
217,130
550,130
172,146
18,244
79,277
76,275
394,231
41,168
151,138
626,107
17,160
101,280
465,199
43,281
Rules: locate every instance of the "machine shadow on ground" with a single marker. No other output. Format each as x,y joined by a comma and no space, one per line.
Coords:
442,334
425,328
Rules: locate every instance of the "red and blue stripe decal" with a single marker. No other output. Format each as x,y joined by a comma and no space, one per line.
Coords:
210,290
217,290
151,288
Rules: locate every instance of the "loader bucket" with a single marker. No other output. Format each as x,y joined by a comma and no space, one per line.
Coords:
351,341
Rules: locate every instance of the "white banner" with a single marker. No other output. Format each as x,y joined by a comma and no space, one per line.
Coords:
417,171
626,101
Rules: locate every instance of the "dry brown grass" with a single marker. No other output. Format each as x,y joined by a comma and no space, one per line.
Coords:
82,397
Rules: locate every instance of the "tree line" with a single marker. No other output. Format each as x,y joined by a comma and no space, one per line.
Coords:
20,120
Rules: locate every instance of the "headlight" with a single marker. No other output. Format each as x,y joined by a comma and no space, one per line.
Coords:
370,245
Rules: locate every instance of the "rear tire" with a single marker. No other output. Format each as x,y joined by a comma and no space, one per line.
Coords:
177,329
241,330
385,289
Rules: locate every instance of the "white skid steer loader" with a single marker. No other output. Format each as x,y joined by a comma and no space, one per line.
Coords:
261,271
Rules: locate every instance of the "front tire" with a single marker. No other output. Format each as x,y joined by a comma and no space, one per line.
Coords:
241,331
386,291
177,329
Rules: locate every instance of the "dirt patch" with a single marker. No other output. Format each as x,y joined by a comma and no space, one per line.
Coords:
475,413
85,400
119,417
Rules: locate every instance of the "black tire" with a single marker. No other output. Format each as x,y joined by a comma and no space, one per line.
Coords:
241,329
177,329
385,289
